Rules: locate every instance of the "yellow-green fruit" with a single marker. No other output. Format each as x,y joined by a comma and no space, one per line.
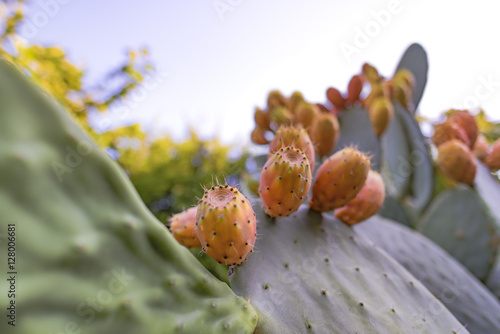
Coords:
226,225
370,73
366,203
258,137
481,147
275,100
381,112
296,137
285,181
281,116
457,161
467,122
183,228
294,101
447,131
378,90
305,113
399,92
339,179
404,77
324,133
493,158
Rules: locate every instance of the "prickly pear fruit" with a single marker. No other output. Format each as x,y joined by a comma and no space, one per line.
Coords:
335,97
447,131
183,228
370,73
381,112
377,91
294,101
399,92
404,77
281,116
226,224
457,161
339,179
305,113
467,122
481,147
354,89
262,119
258,136
296,137
285,181
366,203
275,100
324,133
493,158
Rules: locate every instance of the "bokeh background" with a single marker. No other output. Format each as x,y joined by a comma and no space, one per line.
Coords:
168,88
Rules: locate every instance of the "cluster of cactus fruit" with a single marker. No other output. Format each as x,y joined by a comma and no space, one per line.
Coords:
355,158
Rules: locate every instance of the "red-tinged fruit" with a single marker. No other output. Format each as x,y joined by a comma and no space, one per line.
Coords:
324,133
481,147
335,97
226,225
305,113
296,137
465,120
339,179
366,203
493,158
381,113
183,228
457,161
262,119
354,89
447,131
285,181
258,136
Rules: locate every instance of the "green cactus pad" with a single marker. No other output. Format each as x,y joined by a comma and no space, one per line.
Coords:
462,293
313,274
459,222
421,185
488,187
90,257
393,209
396,165
415,60
356,129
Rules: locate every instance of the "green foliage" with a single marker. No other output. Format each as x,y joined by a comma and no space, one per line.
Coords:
90,256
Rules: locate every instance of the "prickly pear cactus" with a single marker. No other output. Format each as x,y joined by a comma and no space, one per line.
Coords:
91,257
313,274
462,293
459,221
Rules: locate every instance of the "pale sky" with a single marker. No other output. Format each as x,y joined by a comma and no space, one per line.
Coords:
217,67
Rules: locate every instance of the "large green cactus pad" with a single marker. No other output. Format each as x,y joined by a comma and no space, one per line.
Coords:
460,222
313,274
90,257
463,294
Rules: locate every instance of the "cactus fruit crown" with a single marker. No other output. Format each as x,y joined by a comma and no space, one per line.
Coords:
226,224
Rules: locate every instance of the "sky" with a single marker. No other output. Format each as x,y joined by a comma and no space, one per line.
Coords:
218,59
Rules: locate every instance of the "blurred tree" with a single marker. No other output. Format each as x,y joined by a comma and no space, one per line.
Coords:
168,175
